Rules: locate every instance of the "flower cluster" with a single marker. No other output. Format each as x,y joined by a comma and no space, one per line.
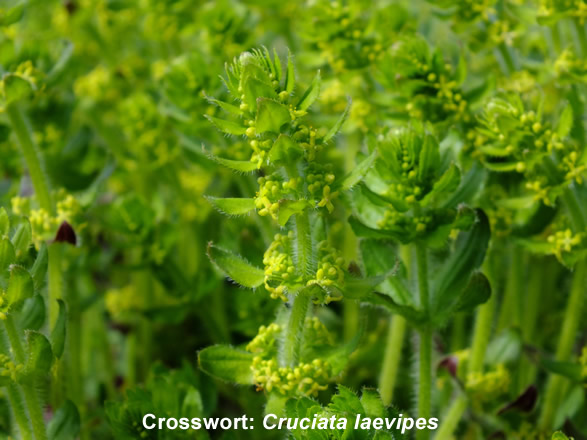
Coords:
330,268
9,370
272,189
44,225
279,266
306,378
516,140
489,385
430,86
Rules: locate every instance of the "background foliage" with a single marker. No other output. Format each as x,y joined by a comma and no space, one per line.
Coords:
422,164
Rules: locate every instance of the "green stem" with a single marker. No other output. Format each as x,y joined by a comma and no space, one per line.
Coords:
452,419
393,345
507,58
566,341
481,334
55,283
299,309
20,414
30,394
35,411
392,358
581,37
295,327
31,155
511,308
573,206
303,242
425,364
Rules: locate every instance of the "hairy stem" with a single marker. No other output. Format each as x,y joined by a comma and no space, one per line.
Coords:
452,419
30,394
295,327
425,364
20,415
393,345
31,156
299,309
570,326
392,358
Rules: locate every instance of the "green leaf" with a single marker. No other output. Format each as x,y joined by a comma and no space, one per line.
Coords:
429,158
11,15
227,127
22,238
565,123
287,208
4,222
559,436
16,88
230,108
446,184
364,231
39,356
455,273
232,206
227,363
477,292
58,332
372,404
336,127
7,254
413,315
236,267
65,424
501,167
20,285
311,94
290,76
255,89
271,116
357,174
570,370
39,269
242,166
32,316
379,257
284,151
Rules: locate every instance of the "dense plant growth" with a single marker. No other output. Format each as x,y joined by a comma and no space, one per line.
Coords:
324,209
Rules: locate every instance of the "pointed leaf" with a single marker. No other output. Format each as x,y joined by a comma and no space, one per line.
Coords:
242,166
454,275
311,94
477,292
565,123
290,76
20,285
39,356
22,238
58,332
4,222
236,267
357,174
284,151
287,208
39,269
429,158
7,254
227,127
32,316
227,363
446,184
230,108
271,116
232,206
336,127
65,424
